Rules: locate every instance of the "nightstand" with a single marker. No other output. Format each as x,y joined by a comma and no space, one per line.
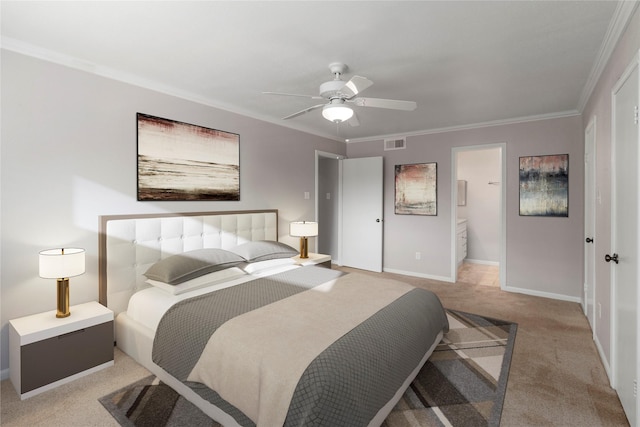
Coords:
46,351
319,260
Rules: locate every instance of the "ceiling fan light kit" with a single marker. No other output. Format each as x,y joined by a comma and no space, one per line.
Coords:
339,92
337,112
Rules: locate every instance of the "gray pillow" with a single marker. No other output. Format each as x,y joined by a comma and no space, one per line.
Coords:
262,250
189,265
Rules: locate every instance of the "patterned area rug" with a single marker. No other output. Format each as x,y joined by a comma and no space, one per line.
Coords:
462,384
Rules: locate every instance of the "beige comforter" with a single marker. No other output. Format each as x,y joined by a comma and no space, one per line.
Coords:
254,361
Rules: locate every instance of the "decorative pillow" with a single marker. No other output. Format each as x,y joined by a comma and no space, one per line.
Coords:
179,268
199,282
262,250
261,266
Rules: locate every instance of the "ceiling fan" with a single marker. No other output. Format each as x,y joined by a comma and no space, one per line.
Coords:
339,93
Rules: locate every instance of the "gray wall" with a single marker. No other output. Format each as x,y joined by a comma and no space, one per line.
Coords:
544,255
69,155
328,213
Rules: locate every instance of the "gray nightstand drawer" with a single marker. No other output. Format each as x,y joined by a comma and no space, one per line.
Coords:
50,360
326,264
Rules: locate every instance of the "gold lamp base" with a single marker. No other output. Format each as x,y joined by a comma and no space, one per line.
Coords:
63,298
304,247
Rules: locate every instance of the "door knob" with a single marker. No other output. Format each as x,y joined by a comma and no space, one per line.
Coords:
589,240
610,258
377,219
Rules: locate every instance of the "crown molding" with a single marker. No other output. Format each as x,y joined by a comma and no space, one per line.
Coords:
18,46
618,24
623,13
515,120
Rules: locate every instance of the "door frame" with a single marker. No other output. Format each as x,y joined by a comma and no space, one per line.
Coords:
503,208
590,198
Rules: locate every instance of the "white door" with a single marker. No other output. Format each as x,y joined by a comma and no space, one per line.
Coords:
362,209
589,222
624,259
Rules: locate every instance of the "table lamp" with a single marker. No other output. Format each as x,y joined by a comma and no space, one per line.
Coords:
303,229
61,264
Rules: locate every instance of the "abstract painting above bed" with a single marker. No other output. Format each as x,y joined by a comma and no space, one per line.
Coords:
181,161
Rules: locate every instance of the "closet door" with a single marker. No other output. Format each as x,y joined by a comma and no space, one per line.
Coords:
625,235
362,210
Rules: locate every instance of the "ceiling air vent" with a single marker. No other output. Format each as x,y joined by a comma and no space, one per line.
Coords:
395,144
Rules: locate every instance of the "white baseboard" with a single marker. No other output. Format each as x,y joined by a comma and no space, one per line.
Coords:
551,295
603,359
421,275
4,374
481,261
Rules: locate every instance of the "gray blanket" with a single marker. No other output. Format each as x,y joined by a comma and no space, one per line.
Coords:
348,383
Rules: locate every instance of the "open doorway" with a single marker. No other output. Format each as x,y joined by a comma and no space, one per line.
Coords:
328,204
478,212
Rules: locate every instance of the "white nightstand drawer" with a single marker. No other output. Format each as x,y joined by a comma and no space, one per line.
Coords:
320,260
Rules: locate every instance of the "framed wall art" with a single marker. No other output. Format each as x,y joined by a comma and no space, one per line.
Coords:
180,161
544,185
416,189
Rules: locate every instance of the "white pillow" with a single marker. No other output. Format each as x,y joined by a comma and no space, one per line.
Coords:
199,282
261,266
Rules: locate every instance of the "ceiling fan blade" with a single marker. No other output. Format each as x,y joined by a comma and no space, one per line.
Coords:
293,94
385,103
353,121
356,85
306,110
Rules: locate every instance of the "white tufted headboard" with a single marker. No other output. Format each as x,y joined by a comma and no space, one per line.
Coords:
129,244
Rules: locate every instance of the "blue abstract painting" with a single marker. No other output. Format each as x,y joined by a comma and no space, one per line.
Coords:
544,185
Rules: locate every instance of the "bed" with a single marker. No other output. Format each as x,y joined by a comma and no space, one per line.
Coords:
216,308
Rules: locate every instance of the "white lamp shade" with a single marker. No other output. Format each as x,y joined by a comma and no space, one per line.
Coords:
303,229
337,112
61,263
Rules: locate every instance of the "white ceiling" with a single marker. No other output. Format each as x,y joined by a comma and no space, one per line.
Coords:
464,63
